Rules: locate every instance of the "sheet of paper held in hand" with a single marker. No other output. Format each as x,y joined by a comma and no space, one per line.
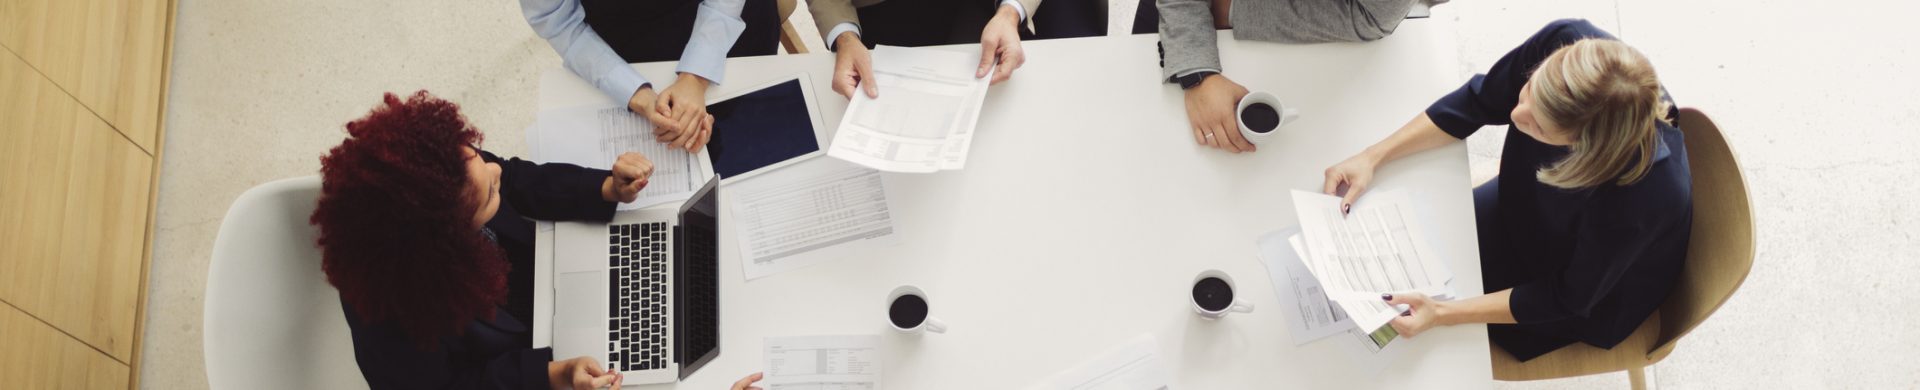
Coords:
923,120
822,363
1129,366
1379,248
1309,314
595,136
807,212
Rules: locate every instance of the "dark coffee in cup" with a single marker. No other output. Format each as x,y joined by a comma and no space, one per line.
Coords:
908,311
1212,294
1260,117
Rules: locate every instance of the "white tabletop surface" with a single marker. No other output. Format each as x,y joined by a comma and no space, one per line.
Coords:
1086,209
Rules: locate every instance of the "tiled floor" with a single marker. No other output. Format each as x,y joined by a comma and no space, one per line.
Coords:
1816,97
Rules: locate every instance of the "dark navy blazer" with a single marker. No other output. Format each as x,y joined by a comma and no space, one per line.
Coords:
496,353
1585,265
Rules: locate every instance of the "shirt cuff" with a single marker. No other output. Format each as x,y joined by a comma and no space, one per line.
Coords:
1017,8
834,34
705,61
622,84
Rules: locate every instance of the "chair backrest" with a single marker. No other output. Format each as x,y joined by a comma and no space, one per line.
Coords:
1720,251
272,320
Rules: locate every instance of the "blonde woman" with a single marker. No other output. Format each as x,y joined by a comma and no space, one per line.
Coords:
1583,233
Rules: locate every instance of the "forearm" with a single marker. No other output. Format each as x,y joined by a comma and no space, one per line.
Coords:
1484,309
1419,134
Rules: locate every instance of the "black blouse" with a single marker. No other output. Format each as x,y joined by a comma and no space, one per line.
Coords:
1595,262
495,353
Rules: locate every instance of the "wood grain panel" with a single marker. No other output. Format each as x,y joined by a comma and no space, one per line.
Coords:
106,53
39,357
82,224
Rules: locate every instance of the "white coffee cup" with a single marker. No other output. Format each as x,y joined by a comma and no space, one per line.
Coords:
1233,302
927,322
1287,115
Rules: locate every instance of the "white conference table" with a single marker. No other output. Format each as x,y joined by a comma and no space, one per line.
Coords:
1085,211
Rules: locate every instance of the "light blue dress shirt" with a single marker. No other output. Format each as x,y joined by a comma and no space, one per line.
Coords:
563,24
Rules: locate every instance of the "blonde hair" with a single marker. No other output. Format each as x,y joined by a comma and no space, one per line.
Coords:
1606,95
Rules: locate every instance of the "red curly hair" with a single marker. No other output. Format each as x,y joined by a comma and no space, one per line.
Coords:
396,221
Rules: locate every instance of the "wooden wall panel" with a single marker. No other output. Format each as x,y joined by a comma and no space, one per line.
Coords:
106,53
81,227
40,357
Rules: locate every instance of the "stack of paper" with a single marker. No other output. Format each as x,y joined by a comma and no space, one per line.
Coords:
924,118
1378,248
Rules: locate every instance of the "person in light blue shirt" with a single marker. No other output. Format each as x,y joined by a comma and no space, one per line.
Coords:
598,38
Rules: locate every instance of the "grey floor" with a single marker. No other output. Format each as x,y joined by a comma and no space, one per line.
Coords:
1817,99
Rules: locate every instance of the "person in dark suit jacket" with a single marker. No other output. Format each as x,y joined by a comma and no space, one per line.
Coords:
427,238
1584,231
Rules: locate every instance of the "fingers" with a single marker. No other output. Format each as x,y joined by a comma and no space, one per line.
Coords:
747,381
603,381
989,53
865,66
706,134
1353,194
843,83
1008,62
1403,326
1333,181
617,379
1199,135
1233,133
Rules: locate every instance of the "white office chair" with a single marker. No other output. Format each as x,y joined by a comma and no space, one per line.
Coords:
272,321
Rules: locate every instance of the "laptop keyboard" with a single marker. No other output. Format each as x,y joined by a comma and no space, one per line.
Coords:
636,326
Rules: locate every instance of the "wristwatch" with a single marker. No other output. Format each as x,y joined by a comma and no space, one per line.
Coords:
1193,79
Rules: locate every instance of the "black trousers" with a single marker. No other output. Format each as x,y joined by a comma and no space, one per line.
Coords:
658,30
1500,270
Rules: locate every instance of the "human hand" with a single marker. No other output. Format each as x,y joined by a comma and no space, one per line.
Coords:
1421,313
1210,111
629,174
684,105
1350,178
642,103
746,383
852,67
1000,44
581,373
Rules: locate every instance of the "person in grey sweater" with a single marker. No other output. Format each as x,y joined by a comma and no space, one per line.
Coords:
1189,57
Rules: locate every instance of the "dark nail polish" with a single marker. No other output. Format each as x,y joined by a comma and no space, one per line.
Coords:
1386,297
1406,313
1346,209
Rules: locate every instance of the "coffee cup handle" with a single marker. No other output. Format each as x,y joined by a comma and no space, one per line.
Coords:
936,326
1241,307
1288,115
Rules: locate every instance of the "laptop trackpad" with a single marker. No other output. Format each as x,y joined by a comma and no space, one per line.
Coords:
580,315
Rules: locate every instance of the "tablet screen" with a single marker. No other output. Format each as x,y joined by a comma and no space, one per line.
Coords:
760,128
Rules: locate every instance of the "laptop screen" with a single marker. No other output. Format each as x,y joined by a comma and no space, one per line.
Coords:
760,128
696,299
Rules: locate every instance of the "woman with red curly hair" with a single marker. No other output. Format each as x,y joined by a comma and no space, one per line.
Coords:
427,238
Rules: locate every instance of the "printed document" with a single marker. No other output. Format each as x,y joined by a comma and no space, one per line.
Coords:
805,213
923,120
1130,366
595,136
1379,248
1309,314
822,363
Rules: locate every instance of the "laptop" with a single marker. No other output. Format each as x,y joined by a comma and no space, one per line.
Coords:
641,294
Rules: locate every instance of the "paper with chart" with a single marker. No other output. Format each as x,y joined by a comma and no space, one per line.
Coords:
595,136
1379,248
1309,314
822,363
807,212
1133,365
925,116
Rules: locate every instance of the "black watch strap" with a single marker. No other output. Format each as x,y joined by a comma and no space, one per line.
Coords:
1193,79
